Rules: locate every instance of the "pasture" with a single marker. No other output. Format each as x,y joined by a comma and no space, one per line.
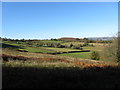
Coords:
22,46
36,64
74,43
52,71
84,55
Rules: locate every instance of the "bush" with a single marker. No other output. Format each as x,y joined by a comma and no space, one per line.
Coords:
77,47
71,45
95,55
85,44
91,45
60,46
113,50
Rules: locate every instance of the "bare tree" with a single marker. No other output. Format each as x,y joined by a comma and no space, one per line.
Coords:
112,50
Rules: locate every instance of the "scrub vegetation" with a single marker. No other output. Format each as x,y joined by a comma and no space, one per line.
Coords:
58,63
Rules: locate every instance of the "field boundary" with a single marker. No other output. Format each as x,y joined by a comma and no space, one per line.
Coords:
68,52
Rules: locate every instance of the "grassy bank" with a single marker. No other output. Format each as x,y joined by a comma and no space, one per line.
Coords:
36,70
60,75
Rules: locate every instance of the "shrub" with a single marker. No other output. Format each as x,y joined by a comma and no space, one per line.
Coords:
71,45
113,50
76,47
22,50
95,55
61,46
86,44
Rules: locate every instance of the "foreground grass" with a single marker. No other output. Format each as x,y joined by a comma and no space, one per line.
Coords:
17,74
35,70
38,63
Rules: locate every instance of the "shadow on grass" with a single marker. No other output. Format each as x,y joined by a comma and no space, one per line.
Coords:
9,46
28,77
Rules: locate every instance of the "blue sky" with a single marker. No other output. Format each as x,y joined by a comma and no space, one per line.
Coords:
45,20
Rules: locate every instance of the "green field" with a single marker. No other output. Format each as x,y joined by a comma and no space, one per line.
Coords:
48,49
78,42
37,50
74,43
40,70
33,49
85,55
51,41
95,48
41,49
61,49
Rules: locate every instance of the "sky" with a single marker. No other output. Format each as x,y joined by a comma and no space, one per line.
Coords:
45,20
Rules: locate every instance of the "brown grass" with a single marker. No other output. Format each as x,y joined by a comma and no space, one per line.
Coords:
11,57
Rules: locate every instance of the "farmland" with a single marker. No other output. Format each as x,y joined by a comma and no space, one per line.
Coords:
49,63
75,49
84,55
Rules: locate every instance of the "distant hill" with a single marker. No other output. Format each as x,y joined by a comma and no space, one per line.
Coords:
89,38
69,39
100,38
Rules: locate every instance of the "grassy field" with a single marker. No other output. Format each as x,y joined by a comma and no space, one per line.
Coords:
95,48
51,41
48,49
85,55
99,47
59,77
68,70
74,43
78,42
37,70
61,49
40,49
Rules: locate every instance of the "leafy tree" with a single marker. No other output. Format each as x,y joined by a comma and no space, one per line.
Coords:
22,40
77,39
85,38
